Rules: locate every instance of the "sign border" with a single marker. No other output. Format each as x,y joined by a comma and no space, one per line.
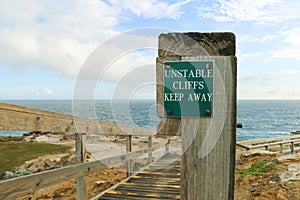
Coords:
213,83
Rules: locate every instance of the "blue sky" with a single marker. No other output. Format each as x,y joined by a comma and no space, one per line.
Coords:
44,44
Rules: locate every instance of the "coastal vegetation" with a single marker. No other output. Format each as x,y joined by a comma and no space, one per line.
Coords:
257,169
14,152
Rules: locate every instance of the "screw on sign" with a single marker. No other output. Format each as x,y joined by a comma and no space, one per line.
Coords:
170,112
207,112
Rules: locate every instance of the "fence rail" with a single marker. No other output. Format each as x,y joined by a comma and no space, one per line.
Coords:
282,143
14,117
15,187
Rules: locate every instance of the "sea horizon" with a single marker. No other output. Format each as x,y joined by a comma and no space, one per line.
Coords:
261,118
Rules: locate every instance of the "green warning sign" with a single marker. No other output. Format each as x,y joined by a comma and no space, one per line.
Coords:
188,88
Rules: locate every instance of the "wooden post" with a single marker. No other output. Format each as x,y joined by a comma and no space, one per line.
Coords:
168,146
81,188
128,149
208,143
267,147
292,147
281,148
150,149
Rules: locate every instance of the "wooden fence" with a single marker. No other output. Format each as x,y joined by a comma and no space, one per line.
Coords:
20,118
282,144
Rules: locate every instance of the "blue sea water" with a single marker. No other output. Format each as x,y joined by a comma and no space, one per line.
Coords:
267,118
260,118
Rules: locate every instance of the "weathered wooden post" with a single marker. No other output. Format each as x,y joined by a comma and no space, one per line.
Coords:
80,144
292,147
150,149
196,97
167,148
128,149
281,148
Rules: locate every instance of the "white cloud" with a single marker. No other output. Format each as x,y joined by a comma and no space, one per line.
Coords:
264,38
268,92
54,35
61,35
246,57
244,54
243,38
290,71
272,85
286,52
152,8
292,36
128,64
22,47
42,91
243,10
254,78
290,45
125,75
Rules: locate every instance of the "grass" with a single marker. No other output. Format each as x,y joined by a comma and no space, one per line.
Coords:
11,139
14,154
257,169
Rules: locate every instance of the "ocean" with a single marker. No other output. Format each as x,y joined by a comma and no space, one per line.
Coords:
260,118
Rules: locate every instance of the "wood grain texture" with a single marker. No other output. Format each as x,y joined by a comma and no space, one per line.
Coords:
14,117
160,82
160,180
128,149
195,44
150,156
167,126
209,144
81,189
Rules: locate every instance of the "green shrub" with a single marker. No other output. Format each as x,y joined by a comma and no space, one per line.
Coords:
257,169
14,154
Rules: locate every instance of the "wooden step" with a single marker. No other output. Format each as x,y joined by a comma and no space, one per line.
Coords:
161,180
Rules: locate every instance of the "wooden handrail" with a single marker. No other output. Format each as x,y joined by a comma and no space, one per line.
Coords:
242,146
266,143
14,117
268,140
296,141
19,186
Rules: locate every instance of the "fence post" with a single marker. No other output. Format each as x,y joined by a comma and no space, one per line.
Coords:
128,149
167,146
281,148
81,189
267,147
292,147
150,149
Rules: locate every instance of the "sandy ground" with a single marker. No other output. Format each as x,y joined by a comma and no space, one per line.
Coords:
281,184
100,146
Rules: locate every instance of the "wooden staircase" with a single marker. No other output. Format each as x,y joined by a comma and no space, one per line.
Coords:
160,180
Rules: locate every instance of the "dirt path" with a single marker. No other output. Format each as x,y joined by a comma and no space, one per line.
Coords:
96,183
280,183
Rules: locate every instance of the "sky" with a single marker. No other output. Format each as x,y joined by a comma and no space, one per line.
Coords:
46,46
